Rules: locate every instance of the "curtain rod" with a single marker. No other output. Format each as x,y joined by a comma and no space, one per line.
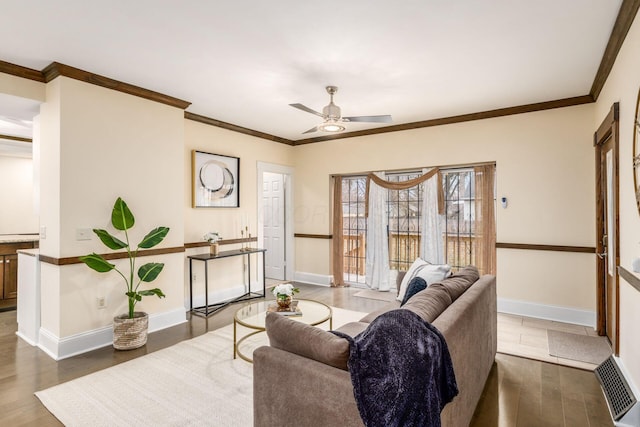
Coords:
418,169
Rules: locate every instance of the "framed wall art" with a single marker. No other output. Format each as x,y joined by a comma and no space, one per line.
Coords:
215,180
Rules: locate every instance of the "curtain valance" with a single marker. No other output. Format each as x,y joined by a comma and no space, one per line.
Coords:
403,185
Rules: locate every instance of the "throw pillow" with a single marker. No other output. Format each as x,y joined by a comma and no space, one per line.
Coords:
416,285
410,274
307,341
431,273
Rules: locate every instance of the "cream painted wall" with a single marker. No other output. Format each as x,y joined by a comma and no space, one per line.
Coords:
228,273
18,213
544,167
622,86
98,144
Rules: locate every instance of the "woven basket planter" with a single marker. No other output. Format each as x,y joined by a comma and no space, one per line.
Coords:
130,333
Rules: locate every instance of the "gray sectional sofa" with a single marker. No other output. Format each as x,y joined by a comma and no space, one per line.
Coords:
301,379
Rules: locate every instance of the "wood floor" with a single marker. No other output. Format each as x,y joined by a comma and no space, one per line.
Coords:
519,392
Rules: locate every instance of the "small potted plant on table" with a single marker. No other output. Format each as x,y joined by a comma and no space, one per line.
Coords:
284,294
213,237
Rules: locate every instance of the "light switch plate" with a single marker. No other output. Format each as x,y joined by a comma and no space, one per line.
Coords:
43,232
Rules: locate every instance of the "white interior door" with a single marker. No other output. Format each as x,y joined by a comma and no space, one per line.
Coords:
274,224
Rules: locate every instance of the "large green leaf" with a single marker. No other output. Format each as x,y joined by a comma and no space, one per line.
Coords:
110,241
154,237
121,216
149,272
135,295
97,263
151,292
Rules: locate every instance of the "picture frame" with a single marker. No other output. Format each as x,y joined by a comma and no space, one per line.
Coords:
215,180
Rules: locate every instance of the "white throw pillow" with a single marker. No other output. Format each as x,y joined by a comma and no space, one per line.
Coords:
411,272
431,273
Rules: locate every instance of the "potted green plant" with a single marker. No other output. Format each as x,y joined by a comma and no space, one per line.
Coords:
129,330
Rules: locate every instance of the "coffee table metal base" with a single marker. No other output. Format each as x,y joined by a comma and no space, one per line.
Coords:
257,329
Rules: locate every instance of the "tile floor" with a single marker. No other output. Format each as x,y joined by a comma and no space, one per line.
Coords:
527,337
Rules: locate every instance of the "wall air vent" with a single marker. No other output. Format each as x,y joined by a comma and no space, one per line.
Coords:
618,393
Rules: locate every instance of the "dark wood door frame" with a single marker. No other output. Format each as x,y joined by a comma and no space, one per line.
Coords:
609,129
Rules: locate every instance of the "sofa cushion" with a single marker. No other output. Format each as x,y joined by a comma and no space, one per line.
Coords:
459,282
416,285
431,273
307,341
352,328
429,303
387,307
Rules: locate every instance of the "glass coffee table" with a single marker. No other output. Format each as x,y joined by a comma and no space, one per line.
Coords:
252,316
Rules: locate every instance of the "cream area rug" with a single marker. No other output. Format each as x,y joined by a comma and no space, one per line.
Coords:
380,296
583,348
193,383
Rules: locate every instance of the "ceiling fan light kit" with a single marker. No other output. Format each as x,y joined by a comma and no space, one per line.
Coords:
331,126
332,115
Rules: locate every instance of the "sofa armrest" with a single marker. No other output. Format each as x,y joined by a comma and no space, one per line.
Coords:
469,326
308,392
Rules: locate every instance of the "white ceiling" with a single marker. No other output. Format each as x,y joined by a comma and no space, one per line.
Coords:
243,61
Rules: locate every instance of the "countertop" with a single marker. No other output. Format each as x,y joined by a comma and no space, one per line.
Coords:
18,238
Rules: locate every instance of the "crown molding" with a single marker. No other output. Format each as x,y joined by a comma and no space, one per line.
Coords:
626,15
527,108
20,71
15,138
235,128
55,69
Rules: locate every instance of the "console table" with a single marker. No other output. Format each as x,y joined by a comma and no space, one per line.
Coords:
208,309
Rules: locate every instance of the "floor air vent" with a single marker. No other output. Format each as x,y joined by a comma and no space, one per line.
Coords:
618,393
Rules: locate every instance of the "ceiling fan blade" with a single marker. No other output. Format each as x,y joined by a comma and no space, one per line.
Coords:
307,109
313,129
371,119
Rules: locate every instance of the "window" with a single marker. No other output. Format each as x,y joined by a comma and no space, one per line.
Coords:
404,214
354,228
459,221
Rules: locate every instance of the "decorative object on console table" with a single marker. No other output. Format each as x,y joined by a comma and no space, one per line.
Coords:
129,330
213,237
284,294
215,180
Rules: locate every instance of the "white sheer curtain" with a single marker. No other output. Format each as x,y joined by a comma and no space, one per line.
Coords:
431,244
377,248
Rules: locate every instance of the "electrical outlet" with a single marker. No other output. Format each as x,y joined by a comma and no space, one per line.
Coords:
83,234
194,278
102,302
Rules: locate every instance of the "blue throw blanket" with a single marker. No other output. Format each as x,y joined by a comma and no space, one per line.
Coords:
401,371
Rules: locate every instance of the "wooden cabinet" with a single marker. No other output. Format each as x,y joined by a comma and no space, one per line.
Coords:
9,271
10,276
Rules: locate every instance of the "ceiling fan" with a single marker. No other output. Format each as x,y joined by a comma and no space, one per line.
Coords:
333,121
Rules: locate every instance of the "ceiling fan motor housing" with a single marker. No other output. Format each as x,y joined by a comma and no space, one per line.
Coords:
331,111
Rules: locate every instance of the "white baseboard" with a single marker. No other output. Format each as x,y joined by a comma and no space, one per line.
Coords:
312,278
26,339
62,348
548,312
